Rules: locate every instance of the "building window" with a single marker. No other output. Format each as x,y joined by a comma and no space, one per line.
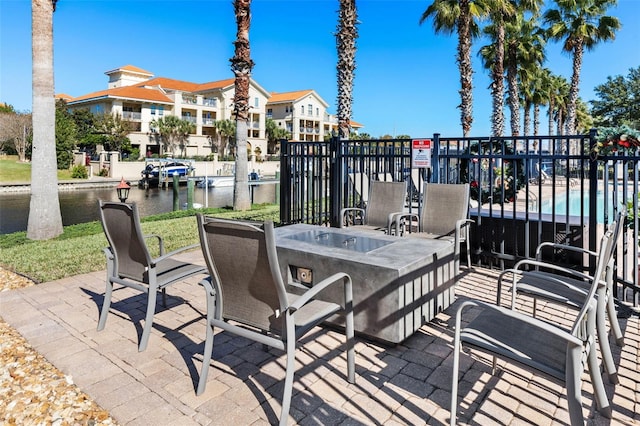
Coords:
161,110
302,109
153,110
269,113
310,109
317,112
256,102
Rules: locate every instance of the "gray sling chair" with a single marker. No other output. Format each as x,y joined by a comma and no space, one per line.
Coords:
247,296
445,215
561,285
386,201
130,264
539,345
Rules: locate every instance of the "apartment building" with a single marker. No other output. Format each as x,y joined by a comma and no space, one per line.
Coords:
141,98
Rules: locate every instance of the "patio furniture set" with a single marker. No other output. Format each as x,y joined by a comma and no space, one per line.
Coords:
382,279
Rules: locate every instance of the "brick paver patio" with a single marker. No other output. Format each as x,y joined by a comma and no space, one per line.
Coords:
406,384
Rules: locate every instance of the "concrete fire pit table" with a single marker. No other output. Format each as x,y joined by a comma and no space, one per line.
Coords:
398,283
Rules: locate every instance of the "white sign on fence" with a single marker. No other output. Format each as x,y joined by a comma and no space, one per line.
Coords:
420,153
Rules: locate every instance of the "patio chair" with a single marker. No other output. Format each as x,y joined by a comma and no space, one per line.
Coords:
565,286
386,201
538,346
247,296
129,262
445,215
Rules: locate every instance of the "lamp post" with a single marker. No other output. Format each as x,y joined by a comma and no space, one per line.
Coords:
123,190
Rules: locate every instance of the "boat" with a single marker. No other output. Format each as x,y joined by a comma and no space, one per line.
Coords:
216,182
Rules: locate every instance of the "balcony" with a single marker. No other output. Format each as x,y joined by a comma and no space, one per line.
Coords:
208,121
189,119
131,115
210,102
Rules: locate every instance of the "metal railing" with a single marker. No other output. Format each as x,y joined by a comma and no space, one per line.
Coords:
524,190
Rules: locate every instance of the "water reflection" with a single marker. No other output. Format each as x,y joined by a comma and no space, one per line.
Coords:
81,206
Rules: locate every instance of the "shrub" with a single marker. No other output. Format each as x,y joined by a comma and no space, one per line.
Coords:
79,172
103,172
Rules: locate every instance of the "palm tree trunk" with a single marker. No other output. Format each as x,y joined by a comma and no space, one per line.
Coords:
497,85
465,67
536,119
346,35
241,65
45,219
514,95
551,108
527,118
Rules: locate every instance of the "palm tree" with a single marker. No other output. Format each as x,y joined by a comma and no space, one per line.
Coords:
225,129
173,131
45,219
241,65
580,24
274,135
558,88
459,16
346,35
525,52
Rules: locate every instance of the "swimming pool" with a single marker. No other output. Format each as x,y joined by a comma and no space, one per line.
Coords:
575,198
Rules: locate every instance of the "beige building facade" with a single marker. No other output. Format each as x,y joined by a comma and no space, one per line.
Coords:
139,97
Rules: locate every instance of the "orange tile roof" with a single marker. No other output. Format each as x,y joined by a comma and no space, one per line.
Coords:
355,124
288,96
215,84
130,68
64,96
169,83
131,92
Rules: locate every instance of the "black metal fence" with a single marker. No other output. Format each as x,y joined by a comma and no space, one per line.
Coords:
524,190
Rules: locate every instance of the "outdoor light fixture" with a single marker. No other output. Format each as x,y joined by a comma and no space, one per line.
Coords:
123,190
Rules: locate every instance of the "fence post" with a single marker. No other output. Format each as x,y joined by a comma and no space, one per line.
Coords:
435,159
285,183
335,179
593,200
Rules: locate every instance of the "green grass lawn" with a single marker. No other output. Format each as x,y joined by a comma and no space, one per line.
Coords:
11,170
79,249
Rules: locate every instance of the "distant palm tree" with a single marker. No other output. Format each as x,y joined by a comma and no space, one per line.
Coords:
241,65
346,35
174,132
226,129
580,24
459,16
45,219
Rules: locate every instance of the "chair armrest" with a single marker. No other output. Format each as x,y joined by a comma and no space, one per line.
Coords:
160,241
406,216
538,263
511,313
556,246
319,287
394,223
173,253
343,213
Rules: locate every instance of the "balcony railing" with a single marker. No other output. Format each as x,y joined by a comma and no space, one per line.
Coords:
208,121
209,102
189,119
131,115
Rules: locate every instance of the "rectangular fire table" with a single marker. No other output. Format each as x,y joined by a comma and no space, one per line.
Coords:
398,283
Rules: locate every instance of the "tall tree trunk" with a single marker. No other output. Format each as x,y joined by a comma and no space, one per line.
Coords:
575,87
527,119
241,65
514,95
497,85
465,67
346,35
550,111
536,119
45,219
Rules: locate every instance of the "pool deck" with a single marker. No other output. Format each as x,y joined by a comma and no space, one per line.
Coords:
405,384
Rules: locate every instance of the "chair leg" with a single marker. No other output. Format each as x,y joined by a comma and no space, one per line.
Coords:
349,333
598,387
106,305
573,383
454,381
206,360
288,379
613,320
603,340
148,320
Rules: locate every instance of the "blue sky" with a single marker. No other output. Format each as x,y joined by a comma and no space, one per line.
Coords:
406,78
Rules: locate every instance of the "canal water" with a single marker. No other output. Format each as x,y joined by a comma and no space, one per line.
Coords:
81,206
